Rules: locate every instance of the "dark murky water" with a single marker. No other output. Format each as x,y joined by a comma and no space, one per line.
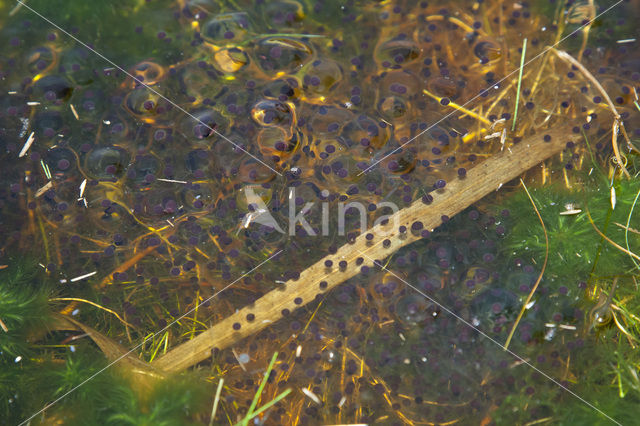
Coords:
138,185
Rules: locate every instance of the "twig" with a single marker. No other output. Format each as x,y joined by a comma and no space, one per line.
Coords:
458,194
524,53
216,401
112,350
4,326
544,266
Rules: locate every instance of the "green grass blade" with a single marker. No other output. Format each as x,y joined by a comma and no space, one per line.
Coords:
626,230
524,52
256,397
270,404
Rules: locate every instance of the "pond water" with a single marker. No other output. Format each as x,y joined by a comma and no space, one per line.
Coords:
193,194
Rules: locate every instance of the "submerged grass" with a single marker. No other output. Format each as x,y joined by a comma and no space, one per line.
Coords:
573,248
515,113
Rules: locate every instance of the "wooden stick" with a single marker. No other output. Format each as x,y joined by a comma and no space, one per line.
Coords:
458,194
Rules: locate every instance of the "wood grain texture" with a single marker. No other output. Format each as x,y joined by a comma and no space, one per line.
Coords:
458,194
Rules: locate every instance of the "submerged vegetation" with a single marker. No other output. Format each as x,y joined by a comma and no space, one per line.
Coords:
131,194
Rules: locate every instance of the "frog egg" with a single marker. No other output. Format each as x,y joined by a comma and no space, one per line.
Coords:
41,60
282,89
252,195
200,163
114,127
145,105
487,50
106,162
283,12
227,154
142,172
226,27
105,215
326,121
439,141
521,281
495,305
147,72
230,60
197,195
199,9
54,88
197,81
413,309
281,54
399,162
48,123
396,51
204,125
61,161
400,83
276,141
269,112
321,77
385,286
74,62
366,132
330,358
474,281
342,167
443,87
393,108
251,170
157,203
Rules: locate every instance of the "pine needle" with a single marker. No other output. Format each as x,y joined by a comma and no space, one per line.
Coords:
544,265
515,114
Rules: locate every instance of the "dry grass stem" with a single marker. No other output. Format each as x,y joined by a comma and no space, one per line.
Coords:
617,123
609,240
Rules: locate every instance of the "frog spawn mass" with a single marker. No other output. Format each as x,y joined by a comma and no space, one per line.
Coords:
171,150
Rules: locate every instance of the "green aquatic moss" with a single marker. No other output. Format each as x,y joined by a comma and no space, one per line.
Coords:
85,390
24,295
174,401
576,250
